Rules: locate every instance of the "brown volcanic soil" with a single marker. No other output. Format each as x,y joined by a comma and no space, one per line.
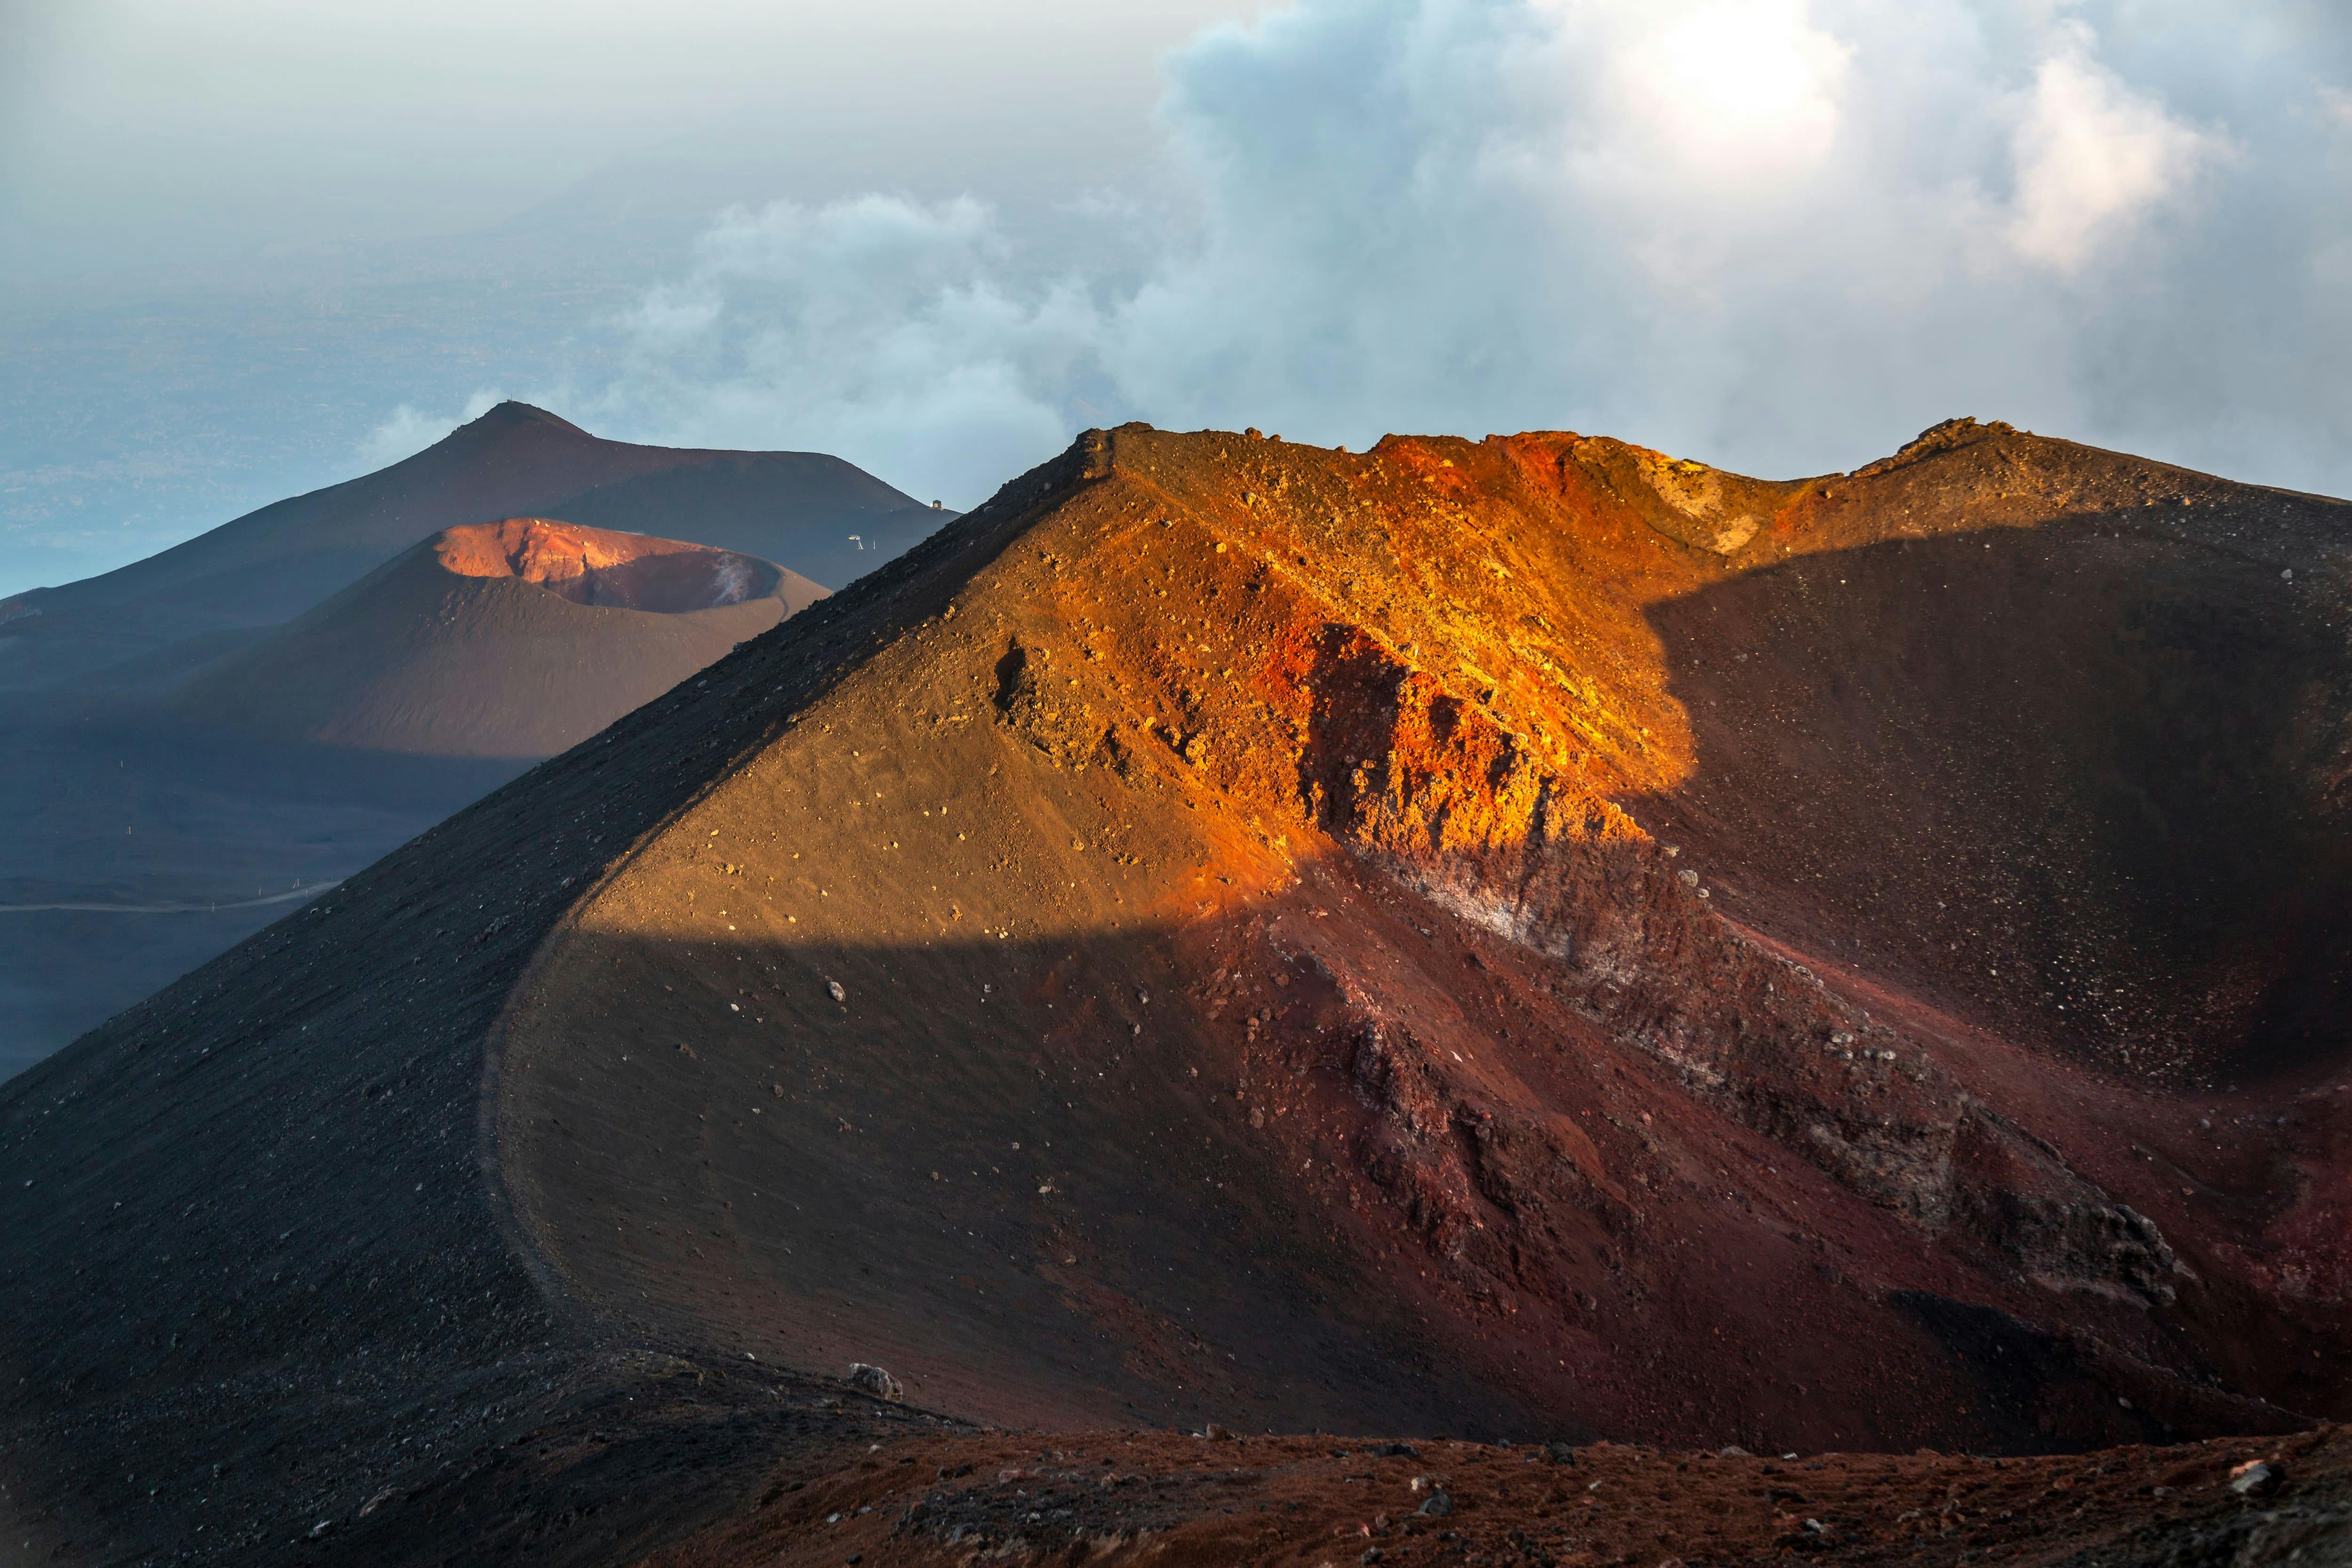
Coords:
506,639
1117,1498
1519,940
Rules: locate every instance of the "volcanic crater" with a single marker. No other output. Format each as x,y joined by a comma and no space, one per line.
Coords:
516,638
598,566
1528,940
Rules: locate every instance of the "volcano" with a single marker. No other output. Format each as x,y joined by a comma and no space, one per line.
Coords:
152,838
517,638
1525,941
814,514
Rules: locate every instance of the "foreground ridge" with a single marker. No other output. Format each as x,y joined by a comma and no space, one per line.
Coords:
1528,939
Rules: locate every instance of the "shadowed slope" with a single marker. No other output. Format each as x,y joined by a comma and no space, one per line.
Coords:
2065,755
1209,937
255,1222
510,639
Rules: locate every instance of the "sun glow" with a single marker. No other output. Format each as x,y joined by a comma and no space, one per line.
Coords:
1734,88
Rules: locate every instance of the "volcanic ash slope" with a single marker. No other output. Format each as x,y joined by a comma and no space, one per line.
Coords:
1528,938
517,638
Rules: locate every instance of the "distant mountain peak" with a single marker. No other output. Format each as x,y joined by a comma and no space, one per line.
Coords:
510,412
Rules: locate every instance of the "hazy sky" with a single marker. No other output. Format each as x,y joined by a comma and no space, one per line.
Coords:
245,249
217,128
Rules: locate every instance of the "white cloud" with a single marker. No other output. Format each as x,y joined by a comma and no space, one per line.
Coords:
1729,90
1779,234
2094,158
410,430
882,329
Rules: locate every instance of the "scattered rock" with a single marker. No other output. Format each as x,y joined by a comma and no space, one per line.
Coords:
1733,1451
1560,1453
832,989
2257,1477
1216,1434
1439,1503
873,1379
1396,1451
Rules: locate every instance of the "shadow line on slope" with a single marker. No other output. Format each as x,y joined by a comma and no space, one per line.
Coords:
1279,1206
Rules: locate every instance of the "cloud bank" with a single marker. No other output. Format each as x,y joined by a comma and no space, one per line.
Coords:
1779,235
